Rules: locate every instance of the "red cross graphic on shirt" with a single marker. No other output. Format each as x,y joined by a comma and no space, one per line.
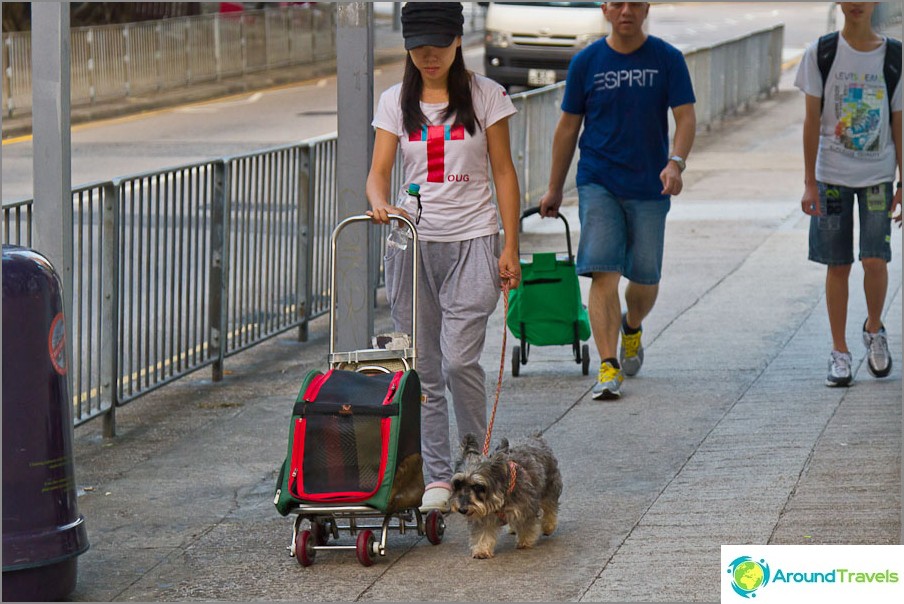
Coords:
436,137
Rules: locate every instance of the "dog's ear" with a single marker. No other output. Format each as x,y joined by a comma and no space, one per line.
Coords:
469,446
503,446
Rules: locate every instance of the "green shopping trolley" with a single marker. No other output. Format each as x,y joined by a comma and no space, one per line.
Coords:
546,309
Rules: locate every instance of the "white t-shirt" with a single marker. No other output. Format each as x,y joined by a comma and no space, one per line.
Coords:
856,148
450,165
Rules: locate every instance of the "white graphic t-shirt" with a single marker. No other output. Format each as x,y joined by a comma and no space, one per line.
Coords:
855,121
450,165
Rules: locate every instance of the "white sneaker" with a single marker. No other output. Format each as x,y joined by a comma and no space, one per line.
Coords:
436,497
878,359
839,369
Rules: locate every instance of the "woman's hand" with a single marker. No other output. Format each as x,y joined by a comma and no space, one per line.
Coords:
509,269
382,214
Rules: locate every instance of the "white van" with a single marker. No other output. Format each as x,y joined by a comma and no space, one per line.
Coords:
531,43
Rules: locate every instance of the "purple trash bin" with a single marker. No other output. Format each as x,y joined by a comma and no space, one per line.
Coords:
43,533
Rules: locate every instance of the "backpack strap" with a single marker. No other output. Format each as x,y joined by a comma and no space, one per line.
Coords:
826,49
892,68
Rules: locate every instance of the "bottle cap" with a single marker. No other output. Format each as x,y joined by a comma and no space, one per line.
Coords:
414,188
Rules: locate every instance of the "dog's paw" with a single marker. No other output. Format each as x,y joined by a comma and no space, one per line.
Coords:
481,554
526,544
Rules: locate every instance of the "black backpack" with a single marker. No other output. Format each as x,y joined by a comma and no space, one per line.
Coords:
825,56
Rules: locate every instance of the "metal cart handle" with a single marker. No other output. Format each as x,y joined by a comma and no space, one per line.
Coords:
532,211
414,260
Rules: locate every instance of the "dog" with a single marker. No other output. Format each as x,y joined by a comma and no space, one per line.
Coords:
516,485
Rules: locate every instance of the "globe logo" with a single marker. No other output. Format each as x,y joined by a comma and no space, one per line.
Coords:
748,575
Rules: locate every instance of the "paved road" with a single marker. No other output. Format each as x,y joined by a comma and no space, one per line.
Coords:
727,436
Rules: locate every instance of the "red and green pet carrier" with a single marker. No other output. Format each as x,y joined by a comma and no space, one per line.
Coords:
354,439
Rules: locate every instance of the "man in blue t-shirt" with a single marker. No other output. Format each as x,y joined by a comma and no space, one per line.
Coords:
621,89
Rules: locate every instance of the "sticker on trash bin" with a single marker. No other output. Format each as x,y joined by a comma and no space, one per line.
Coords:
56,344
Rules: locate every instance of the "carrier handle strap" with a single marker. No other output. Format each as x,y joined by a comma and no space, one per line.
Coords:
505,300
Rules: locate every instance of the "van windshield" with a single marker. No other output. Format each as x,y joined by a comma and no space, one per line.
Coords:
569,4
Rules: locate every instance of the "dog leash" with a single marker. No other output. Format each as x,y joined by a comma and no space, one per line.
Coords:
505,300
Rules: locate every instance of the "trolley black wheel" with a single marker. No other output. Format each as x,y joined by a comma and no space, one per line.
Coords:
435,527
320,532
304,548
585,359
364,547
516,360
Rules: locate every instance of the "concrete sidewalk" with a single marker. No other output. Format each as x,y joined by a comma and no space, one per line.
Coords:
727,436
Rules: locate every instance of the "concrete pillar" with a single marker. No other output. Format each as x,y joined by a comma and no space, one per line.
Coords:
355,264
50,57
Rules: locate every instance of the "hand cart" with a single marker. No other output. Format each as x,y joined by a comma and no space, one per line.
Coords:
546,308
317,524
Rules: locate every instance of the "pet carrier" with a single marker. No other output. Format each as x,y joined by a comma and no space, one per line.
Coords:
354,455
546,308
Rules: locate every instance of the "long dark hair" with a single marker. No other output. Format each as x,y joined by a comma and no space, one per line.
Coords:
460,103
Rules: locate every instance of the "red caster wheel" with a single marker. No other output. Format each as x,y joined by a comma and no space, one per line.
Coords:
364,547
435,527
304,548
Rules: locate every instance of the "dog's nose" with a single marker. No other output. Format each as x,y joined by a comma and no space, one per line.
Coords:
463,509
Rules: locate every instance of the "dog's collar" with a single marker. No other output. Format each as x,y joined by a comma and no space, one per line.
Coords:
513,476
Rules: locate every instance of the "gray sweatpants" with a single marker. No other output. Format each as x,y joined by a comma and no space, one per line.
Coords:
458,289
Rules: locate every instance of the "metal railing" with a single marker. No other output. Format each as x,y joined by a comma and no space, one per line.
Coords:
177,269
115,61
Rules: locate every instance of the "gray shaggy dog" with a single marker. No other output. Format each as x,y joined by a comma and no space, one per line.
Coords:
517,485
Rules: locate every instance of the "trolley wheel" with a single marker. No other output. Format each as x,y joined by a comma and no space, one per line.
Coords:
585,359
304,548
435,527
516,361
364,547
320,533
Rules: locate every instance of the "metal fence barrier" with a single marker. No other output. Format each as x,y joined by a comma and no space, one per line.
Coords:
177,269
116,61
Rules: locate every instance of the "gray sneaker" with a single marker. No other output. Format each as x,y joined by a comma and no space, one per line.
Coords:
839,369
631,354
608,385
878,359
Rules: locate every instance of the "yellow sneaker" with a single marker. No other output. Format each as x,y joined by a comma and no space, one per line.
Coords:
631,354
608,385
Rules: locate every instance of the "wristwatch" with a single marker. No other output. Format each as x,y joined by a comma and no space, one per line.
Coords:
680,161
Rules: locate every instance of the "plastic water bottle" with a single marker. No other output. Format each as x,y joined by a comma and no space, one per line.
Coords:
398,232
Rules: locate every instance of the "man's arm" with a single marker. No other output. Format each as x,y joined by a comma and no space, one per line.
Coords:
809,203
563,145
685,131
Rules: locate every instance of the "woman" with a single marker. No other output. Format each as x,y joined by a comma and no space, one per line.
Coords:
448,122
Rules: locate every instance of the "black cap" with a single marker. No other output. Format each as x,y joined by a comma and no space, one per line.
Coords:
431,23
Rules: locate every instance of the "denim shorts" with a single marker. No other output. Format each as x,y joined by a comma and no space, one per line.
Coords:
624,236
832,232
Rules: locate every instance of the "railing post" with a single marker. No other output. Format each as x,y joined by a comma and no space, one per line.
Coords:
110,341
92,79
127,59
304,257
217,339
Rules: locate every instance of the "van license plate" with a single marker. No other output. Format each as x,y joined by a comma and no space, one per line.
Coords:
541,77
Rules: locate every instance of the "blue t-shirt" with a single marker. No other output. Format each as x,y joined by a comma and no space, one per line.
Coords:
625,101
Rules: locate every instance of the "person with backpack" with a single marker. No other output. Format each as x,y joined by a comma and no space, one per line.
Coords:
852,150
